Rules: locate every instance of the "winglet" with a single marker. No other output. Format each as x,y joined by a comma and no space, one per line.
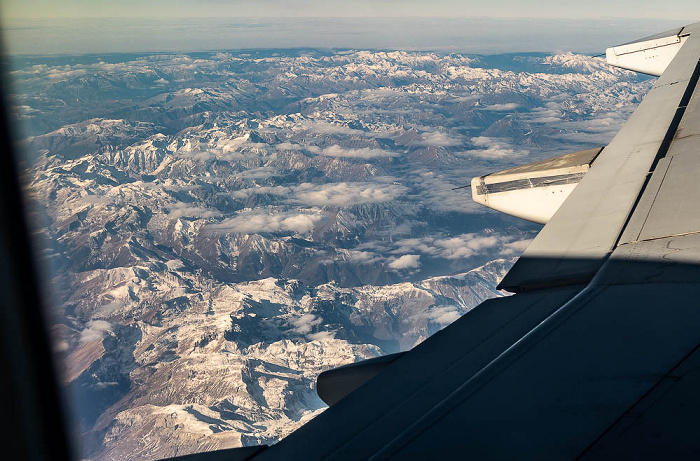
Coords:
649,55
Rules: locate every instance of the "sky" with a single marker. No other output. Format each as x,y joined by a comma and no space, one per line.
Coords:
567,9
495,26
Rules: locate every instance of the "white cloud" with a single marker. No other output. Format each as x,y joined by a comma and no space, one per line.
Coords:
460,246
321,127
95,331
256,222
180,210
332,194
304,324
300,223
262,172
515,248
406,262
465,245
549,114
344,194
437,190
422,245
362,152
64,74
492,148
289,146
436,139
322,336
510,106
444,315
338,151
243,194
365,257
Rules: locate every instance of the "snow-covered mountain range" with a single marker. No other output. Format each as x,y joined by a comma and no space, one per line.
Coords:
219,228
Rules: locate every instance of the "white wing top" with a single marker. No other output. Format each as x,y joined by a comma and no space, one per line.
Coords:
650,55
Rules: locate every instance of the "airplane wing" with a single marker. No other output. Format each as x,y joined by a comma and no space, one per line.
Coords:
596,355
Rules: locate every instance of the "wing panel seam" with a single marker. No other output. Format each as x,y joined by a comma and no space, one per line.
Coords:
665,144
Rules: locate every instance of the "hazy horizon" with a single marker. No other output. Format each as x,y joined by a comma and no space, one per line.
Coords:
462,35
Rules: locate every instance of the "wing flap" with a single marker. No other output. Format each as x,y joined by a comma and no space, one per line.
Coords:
534,191
333,385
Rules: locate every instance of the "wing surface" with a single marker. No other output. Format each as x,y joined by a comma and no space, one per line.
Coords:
597,354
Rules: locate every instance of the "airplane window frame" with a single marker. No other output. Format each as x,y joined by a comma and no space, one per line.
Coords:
38,423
